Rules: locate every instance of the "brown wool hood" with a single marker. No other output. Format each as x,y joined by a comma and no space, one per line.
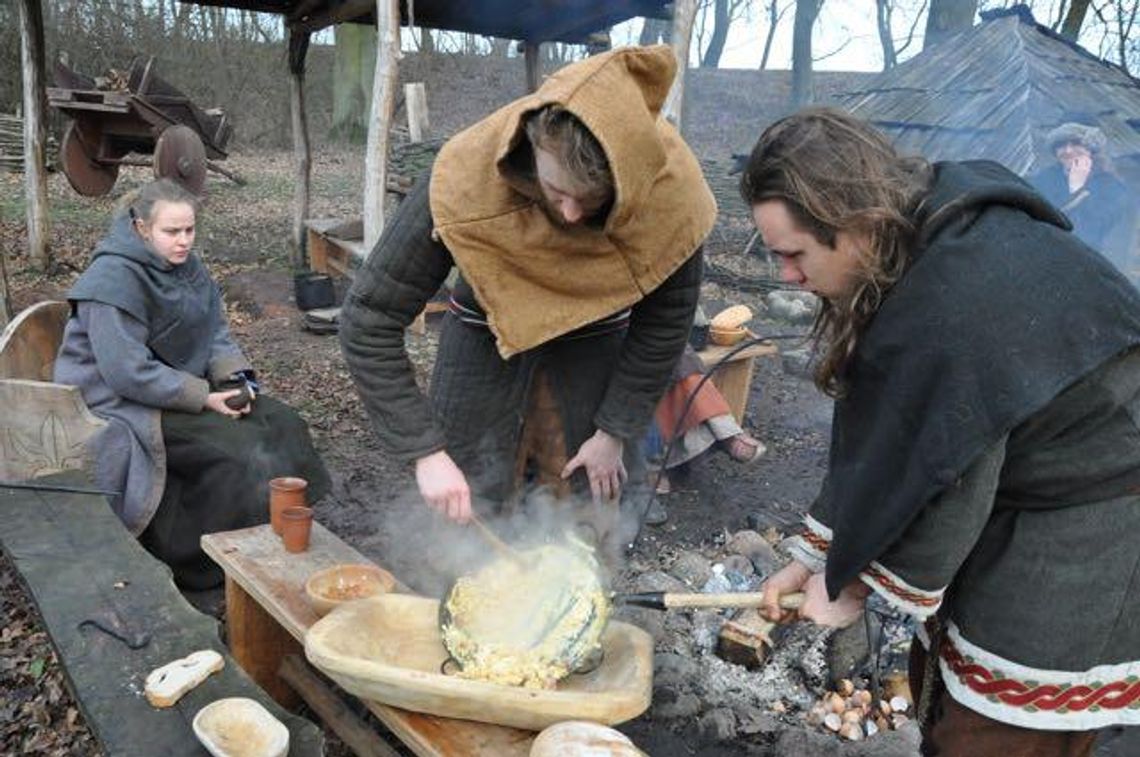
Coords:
537,280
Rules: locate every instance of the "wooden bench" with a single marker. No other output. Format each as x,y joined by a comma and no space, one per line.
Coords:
44,425
267,615
86,574
734,377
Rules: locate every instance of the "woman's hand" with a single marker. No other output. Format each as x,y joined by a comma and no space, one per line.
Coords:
601,457
790,578
443,486
216,401
845,610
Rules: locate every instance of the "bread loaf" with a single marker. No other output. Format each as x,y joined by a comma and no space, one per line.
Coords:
731,317
166,685
578,738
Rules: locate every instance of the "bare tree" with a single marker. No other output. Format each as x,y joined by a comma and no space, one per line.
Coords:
775,13
884,13
948,17
1118,18
1074,19
807,11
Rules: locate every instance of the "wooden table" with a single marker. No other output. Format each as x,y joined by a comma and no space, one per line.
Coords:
267,616
734,378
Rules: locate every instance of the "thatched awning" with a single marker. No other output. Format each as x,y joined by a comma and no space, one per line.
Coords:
995,91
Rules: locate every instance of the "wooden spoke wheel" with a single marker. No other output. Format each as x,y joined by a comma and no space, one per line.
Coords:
181,156
78,156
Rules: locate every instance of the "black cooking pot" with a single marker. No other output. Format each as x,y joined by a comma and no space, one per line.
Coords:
313,290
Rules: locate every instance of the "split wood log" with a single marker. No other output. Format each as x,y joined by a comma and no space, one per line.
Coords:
684,13
745,640
415,98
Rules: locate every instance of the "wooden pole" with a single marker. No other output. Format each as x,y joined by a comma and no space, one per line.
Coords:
302,157
684,13
415,100
533,65
383,98
35,174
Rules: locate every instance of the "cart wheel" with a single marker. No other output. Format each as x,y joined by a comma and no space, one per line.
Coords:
86,175
180,155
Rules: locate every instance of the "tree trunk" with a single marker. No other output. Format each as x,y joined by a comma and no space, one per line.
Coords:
886,39
1071,28
721,22
948,17
383,97
806,13
653,31
533,65
353,62
298,48
35,173
773,22
684,13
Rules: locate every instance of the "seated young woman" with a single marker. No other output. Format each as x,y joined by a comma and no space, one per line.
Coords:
150,349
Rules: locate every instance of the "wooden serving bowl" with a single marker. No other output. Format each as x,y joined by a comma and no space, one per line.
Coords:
726,337
333,587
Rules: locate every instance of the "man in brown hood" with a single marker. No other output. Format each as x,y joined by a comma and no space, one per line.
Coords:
575,216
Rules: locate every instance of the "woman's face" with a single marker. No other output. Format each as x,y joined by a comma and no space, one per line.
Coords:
829,272
170,231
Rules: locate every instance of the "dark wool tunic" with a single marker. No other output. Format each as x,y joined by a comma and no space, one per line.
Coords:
1103,211
144,344
991,471
610,382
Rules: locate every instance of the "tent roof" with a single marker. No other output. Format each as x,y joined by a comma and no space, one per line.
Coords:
995,91
531,20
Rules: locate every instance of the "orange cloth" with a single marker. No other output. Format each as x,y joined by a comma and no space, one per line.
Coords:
708,404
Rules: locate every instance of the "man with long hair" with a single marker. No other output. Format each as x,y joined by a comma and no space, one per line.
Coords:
984,470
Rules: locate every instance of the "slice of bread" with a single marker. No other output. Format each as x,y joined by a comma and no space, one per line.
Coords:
166,685
732,317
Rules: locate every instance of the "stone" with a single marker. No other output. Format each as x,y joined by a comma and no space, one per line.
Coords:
751,722
848,650
706,630
798,362
738,565
804,742
718,725
692,568
671,702
901,743
658,581
759,552
650,621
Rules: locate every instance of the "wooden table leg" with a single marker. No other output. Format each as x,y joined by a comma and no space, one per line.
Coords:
259,643
734,380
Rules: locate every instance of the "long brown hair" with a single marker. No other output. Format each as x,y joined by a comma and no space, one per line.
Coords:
558,130
835,173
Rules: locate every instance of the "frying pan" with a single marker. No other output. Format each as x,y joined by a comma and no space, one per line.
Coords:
535,617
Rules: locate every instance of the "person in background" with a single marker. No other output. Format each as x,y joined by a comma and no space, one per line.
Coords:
189,443
985,449
1083,186
708,423
575,217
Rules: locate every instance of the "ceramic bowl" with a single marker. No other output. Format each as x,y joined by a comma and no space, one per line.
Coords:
240,726
727,337
334,586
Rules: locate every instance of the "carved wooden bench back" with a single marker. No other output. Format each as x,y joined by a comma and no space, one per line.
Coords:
45,426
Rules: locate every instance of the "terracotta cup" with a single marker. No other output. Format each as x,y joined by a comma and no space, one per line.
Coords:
296,525
288,491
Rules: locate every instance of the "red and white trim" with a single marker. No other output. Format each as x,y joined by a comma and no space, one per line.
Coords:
1048,700
810,547
922,603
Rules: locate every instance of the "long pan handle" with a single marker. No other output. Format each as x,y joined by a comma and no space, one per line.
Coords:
660,600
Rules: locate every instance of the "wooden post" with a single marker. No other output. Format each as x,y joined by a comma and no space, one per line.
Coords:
415,99
383,97
684,13
533,65
298,47
259,643
35,175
